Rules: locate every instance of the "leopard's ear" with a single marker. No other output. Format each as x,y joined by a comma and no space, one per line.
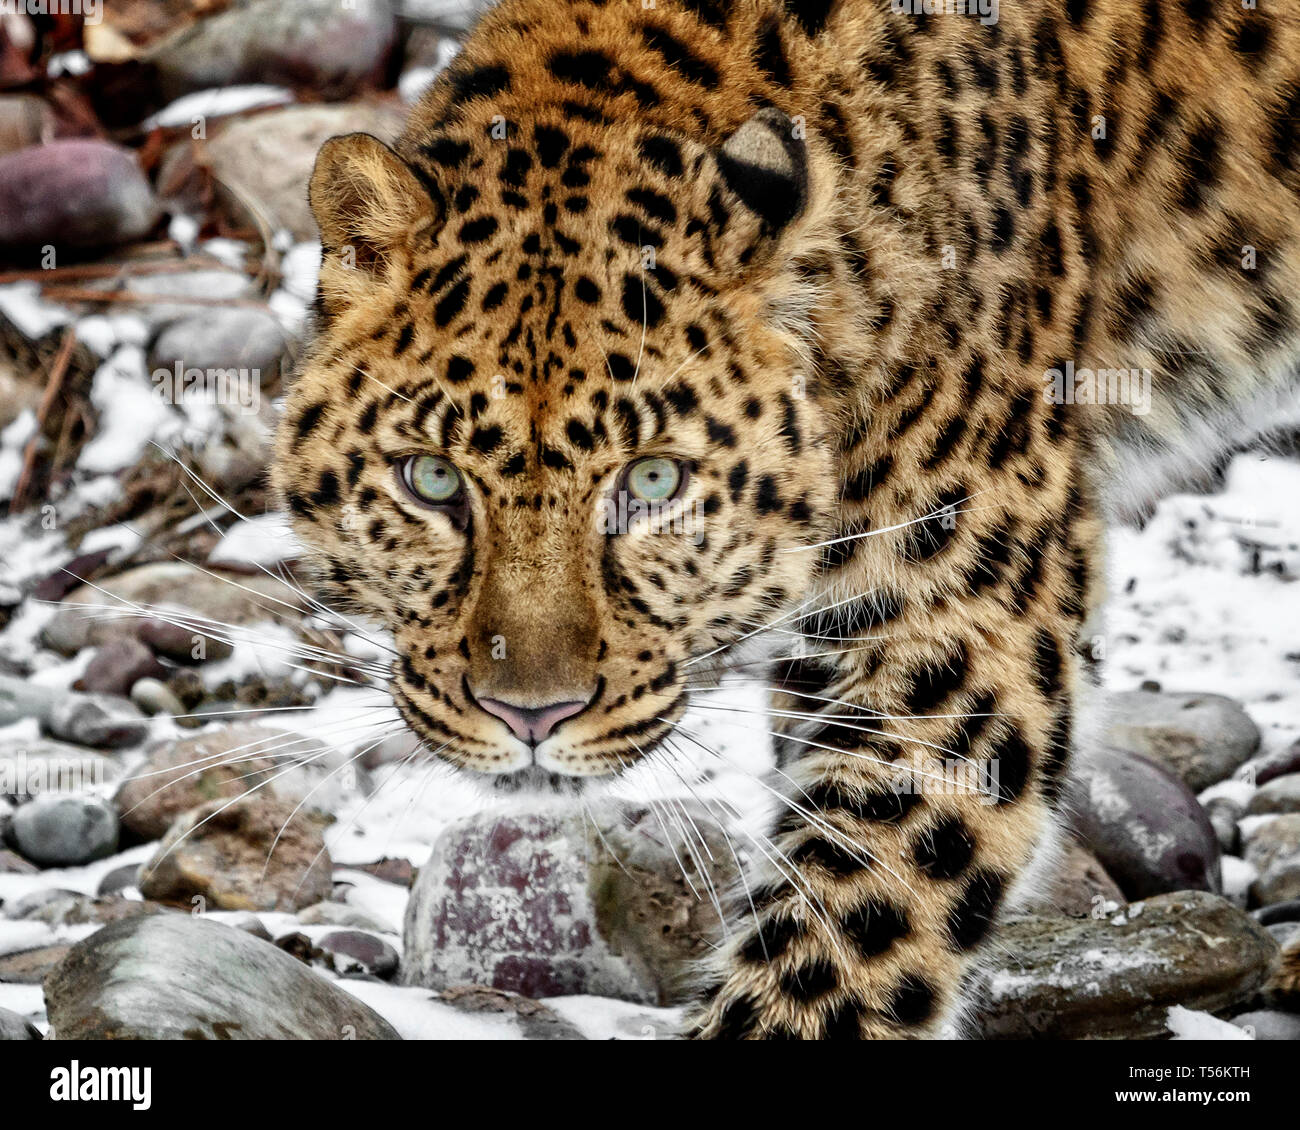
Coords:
764,167
369,204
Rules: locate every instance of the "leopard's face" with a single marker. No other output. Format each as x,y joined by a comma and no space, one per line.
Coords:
549,436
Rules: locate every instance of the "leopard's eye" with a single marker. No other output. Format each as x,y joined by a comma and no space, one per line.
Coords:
431,480
655,479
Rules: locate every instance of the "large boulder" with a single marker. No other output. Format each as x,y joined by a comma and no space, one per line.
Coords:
1117,977
1144,824
550,903
252,853
177,977
1201,737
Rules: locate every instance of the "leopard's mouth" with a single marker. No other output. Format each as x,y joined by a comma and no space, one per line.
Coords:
554,767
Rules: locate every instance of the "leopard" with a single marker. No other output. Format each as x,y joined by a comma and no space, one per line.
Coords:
818,339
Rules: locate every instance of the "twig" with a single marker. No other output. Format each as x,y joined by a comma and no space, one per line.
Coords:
52,388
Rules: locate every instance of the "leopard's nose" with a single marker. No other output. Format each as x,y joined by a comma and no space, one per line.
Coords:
533,724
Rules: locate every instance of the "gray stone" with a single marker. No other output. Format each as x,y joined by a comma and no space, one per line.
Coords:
339,914
254,853
265,161
119,879
115,667
1143,824
356,951
1223,813
1280,912
15,1027
1270,1025
75,192
542,904
1201,737
1267,766
202,595
1274,849
180,977
182,644
102,721
153,697
1281,794
1069,978
246,339
32,768
1078,888
536,1021
317,44
65,831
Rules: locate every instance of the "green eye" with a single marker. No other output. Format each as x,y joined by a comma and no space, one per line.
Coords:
654,480
431,480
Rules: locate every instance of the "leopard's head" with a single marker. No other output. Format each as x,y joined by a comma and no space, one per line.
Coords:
555,430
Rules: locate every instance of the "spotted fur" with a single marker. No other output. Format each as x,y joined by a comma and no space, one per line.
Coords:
826,254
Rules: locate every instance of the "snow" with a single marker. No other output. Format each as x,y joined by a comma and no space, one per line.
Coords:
1187,1024
217,103
264,540
1206,598
131,413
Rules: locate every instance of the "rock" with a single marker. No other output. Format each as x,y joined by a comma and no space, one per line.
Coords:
119,879
182,644
1201,737
268,159
102,721
1079,888
339,914
1070,978
221,853
398,871
1238,877
179,977
355,951
65,831
15,1027
21,699
203,595
1223,813
72,908
24,120
33,768
1269,1025
153,697
1274,849
116,666
1143,824
11,864
535,903
178,776
1281,794
166,297
316,44
218,764
1279,912
29,967
1267,766
536,1020
246,339
76,192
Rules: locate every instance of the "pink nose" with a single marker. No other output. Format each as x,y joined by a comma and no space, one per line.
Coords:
532,724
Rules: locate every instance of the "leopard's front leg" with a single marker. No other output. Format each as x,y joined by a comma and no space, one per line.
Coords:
923,760
902,839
